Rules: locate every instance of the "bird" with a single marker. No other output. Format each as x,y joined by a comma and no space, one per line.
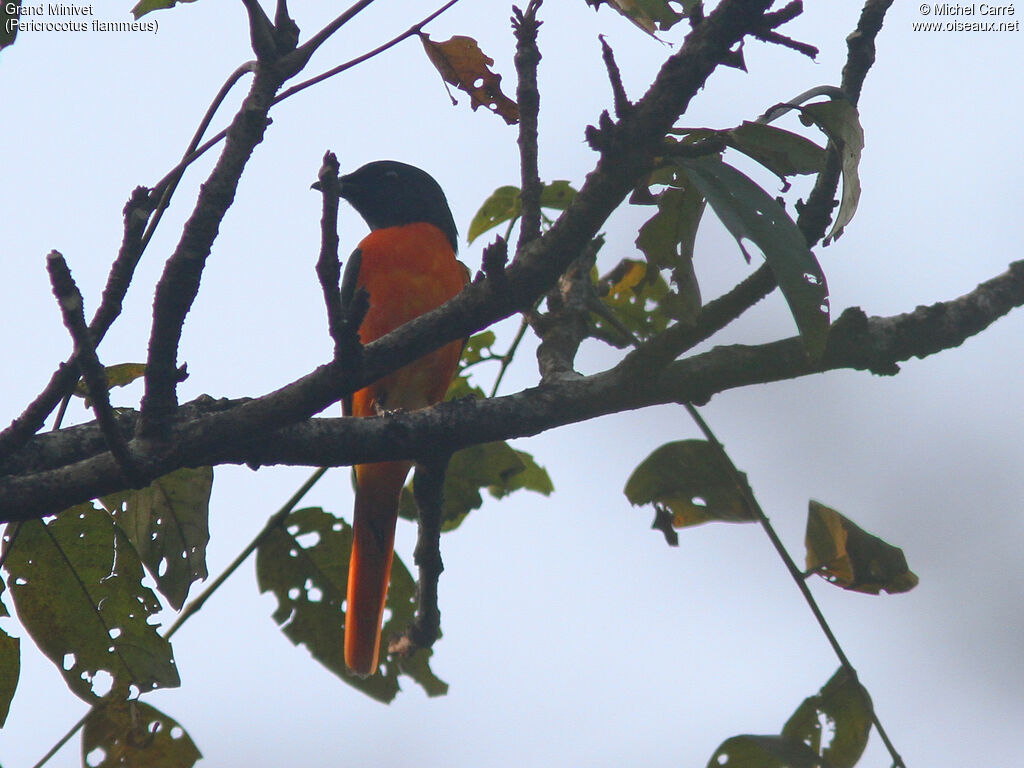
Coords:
407,264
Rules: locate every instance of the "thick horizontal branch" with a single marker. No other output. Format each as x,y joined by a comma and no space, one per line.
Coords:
857,342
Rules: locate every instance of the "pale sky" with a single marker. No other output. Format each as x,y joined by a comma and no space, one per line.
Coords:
572,634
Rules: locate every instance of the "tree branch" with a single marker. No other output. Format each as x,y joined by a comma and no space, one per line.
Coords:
217,431
179,284
136,213
527,58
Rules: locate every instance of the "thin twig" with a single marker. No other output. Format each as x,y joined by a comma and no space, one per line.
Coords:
412,31
63,740
794,571
506,359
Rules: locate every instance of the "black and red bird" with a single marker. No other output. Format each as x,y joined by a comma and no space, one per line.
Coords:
408,267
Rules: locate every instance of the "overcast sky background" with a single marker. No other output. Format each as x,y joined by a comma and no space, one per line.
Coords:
573,635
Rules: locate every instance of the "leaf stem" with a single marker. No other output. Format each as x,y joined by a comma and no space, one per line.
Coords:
798,576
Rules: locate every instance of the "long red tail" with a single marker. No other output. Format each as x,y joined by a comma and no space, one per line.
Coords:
378,487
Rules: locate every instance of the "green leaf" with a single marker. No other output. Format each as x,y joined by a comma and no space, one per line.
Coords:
476,347
10,670
688,478
130,734
9,30
835,722
76,584
782,152
557,195
764,752
168,524
496,467
148,6
849,557
640,300
841,123
649,15
504,205
667,240
305,564
748,212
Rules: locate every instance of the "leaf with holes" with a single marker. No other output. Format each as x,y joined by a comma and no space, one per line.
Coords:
130,734
841,123
76,584
850,557
462,64
835,722
496,467
305,564
168,524
10,671
688,478
750,213
764,752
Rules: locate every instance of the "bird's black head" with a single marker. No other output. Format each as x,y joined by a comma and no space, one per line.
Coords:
387,193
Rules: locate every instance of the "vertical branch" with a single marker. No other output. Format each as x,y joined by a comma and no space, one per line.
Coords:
428,488
525,25
69,298
179,283
817,211
328,266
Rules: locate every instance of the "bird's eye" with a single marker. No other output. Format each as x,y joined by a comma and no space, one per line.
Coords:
391,175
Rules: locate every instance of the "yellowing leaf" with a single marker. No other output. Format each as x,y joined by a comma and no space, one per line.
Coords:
640,300
835,722
687,477
130,734
852,558
120,375
462,64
